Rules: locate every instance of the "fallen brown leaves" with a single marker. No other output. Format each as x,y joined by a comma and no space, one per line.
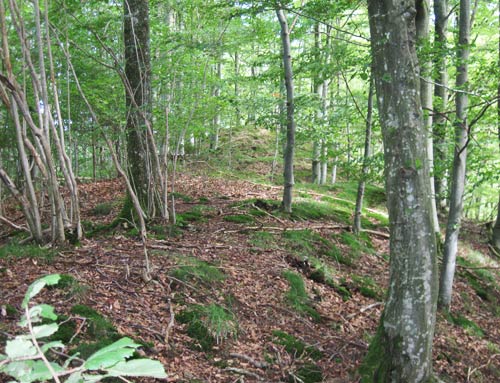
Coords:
111,267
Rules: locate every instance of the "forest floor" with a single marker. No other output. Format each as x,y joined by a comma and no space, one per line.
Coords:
248,267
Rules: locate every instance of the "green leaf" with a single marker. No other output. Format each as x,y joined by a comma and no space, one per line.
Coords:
45,330
79,377
93,378
19,370
47,311
30,370
38,285
75,377
41,372
138,367
112,354
20,347
36,313
55,344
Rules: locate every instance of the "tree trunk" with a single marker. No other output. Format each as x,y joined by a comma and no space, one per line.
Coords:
356,228
422,25
440,100
459,160
214,137
318,89
495,240
138,101
290,123
402,348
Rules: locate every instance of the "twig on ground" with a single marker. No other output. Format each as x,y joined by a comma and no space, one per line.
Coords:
84,320
379,233
171,321
244,372
250,360
365,308
269,214
471,371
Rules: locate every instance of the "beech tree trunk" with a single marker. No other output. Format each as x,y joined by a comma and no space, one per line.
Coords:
138,102
422,25
495,240
440,100
402,348
290,123
356,227
459,160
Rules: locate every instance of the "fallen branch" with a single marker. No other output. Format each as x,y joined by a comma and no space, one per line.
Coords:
244,372
493,250
269,214
379,233
171,321
13,225
366,308
277,228
250,360
470,372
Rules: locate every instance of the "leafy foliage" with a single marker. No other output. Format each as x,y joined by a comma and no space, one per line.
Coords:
26,357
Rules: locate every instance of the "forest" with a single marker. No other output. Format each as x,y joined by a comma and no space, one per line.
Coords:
249,191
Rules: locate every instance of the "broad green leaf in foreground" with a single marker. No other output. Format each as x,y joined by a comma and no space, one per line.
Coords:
112,354
138,367
20,347
38,285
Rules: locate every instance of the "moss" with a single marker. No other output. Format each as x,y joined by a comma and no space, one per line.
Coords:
308,373
295,346
102,209
208,325
10,310
262,240
183,197
239,218
367,287
376,365
66,331
197,270
257,213
338,256
99,326
470,326
297,296
15,250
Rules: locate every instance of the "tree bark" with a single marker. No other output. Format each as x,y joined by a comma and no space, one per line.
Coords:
402,348
138,101
356,227
422,26
495,240
290,123
459,160
440,100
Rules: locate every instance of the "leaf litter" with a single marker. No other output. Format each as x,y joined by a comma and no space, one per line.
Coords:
254,289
